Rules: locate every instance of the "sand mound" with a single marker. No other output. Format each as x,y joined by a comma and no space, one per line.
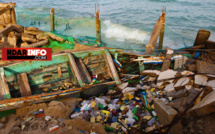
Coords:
23,111
71,102
57,109
84,125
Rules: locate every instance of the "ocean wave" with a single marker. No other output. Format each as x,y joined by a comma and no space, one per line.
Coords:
122,33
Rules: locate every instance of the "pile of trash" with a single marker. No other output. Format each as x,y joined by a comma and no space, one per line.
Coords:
157,102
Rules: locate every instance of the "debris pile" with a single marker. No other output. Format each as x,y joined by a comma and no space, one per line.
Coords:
18,36
168,101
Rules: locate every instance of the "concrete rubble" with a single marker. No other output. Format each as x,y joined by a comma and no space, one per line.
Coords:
146,106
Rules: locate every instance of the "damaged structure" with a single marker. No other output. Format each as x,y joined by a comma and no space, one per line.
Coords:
113,90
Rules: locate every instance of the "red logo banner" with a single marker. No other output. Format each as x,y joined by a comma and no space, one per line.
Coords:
26,54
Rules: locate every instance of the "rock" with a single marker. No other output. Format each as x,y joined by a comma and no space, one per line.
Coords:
15,130
169,87
182,82
165,115
192,94
3,120
94,91
177,94
23,111
71,102
122,85
167,74
192,67
211,83
205,67
206,105
84,125
57,109
2,126
201,79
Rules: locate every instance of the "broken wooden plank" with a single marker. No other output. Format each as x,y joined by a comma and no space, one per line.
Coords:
4,9
202,37
83,70
112,67
75,70
37,44
205,106
24,86
10,28
154,36
4,89
167,60
201,79
28,38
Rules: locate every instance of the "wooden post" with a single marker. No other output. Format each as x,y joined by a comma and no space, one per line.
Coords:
52,20
154,36
98,26
160,46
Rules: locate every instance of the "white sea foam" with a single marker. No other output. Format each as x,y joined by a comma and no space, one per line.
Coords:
122,33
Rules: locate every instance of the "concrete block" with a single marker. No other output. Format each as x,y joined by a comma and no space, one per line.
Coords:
165,115
205,106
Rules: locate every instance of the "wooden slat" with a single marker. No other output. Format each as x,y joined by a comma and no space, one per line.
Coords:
24,85
4,89
75,69
112,67
59,71
84,73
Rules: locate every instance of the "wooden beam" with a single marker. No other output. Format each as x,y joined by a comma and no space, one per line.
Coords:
201,37
10,28
37,44
75,70
160,45
154,36
112,67
4,89
4,9
24,84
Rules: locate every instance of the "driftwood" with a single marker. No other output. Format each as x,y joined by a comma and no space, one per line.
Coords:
28,38
37,44
10,28
7,13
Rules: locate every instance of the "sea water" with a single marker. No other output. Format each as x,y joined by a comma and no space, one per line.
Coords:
125,23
